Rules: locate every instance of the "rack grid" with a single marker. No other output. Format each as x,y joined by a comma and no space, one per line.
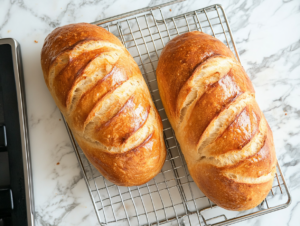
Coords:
172,195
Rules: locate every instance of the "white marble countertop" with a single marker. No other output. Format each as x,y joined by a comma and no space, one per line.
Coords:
267,35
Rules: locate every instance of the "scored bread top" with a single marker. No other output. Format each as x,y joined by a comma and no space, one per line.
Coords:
99,89
224,136
66,39
181,56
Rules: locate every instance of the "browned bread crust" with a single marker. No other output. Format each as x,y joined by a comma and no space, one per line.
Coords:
224,136
102,94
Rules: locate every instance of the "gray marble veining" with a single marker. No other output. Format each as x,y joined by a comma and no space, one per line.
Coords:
267,34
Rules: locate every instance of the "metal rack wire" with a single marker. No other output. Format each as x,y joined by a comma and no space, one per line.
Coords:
171,195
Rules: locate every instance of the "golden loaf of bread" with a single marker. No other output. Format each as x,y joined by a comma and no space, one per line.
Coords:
101,92
224,136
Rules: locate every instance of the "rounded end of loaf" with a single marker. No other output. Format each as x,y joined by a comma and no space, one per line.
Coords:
177,62
227,192
65,38
241,185
133,167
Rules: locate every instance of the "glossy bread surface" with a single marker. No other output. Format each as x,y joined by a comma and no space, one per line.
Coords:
102,94
224,136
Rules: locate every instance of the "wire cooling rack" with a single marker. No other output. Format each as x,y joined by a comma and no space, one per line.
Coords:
172,195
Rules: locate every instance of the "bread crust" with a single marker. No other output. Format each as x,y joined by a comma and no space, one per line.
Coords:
210,102
101,92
